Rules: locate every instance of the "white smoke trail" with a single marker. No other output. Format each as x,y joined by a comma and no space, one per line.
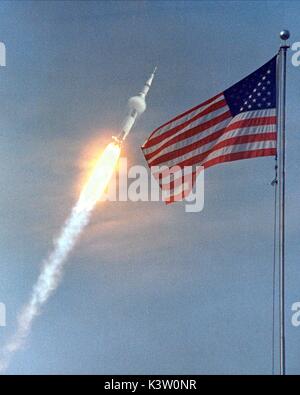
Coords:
47,281
52,268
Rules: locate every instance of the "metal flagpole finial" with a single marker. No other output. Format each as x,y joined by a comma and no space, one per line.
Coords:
284,35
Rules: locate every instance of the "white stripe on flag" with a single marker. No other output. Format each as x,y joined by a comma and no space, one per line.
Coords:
189,140
205,148
251,130
241,148
197,122
184,118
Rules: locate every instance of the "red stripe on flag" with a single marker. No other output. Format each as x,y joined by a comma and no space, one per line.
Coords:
198,158
230,158
258,121
191,132
157,139
240,155
261,121
183,115
190,178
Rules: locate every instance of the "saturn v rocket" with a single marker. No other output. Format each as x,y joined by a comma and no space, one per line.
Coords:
137,105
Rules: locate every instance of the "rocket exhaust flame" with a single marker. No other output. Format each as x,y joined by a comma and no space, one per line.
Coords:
100,177
52,268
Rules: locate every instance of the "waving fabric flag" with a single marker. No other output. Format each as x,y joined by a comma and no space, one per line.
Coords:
239,123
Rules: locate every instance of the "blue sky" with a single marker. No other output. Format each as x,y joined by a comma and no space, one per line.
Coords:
149,289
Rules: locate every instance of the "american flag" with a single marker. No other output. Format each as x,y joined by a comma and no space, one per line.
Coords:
239,123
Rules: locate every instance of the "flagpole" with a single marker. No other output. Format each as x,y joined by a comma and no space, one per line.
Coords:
284,35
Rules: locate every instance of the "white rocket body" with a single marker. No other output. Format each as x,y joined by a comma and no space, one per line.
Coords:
137,105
